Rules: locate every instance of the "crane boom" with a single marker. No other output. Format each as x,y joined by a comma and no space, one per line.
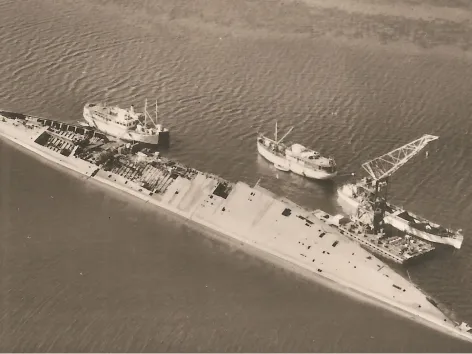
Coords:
385,165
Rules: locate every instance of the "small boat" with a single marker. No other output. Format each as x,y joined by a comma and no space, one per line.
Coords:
281,168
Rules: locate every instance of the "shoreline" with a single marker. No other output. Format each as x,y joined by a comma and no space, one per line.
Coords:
264,252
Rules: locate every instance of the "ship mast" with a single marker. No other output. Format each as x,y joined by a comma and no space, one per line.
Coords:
279,141
147,115
275,135
145,112
382,167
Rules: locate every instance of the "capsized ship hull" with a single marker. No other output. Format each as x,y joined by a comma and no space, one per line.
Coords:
292,164
252,216
400,219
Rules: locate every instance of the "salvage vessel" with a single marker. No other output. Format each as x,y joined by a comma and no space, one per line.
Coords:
296,157
367,198
253,217
126,124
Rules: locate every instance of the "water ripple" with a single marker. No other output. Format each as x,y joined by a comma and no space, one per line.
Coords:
220,73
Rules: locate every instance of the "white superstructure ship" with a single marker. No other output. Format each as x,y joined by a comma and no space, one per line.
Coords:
365,197
296,158
126,124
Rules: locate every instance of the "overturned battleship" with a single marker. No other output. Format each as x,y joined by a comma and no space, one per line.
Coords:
251,216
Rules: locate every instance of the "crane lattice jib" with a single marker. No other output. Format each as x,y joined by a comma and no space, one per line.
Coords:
385,165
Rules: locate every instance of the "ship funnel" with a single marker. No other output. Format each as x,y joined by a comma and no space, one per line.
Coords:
132,109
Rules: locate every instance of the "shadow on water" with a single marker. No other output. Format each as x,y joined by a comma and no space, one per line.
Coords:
329,186
308,192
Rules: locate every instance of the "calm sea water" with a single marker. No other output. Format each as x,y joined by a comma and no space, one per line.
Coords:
84,268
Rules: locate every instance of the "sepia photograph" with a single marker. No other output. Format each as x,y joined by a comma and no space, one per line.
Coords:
247,176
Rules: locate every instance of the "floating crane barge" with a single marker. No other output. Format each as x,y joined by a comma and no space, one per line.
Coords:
253,217
366,200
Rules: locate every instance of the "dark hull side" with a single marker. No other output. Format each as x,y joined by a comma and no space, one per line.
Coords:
164,140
